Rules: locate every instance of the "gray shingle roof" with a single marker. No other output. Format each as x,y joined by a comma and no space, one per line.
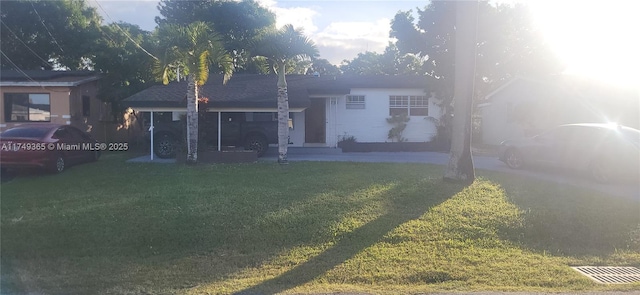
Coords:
260,91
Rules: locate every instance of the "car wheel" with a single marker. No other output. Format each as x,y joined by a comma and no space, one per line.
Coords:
601,171
165,146
514,160
257,143
59,164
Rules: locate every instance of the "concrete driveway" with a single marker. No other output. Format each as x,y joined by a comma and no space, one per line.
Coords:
480,162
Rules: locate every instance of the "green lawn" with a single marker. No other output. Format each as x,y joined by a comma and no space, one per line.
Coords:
118,228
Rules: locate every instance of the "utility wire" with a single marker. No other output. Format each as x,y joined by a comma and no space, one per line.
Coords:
15,67
25,44
45,26
107,34
123,31
18,69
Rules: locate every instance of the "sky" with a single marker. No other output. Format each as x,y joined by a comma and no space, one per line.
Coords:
598,39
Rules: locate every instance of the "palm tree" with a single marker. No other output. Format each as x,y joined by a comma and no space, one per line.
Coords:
460,167
279,47
191,50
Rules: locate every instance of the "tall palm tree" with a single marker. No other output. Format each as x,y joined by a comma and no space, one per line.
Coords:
191,50
460,167
279,47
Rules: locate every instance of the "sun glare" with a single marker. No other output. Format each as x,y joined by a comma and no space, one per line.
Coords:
597,39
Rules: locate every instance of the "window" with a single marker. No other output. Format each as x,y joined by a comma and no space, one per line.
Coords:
62,134
27,107
290,123
408,105
86,106
79,135
419,106
398,105
355,101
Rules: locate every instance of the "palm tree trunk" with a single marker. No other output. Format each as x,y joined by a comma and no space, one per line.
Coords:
460,168
283,114
192,120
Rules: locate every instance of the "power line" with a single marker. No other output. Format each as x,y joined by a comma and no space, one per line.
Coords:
18,69
123,31
15,67
107,34
45,26
25,44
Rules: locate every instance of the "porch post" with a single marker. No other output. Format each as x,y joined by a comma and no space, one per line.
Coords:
219,131
151,131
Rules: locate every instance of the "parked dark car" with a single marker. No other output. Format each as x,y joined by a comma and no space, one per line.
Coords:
253,131
603,151
51,147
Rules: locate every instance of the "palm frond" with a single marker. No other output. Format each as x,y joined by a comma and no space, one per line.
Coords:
193,48
260,63
284,44
203,68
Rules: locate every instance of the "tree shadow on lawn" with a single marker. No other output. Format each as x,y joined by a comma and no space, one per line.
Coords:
152,242
408,205
570,221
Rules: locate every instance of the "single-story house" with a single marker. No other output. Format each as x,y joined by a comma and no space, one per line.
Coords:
525,107
323,109
62,97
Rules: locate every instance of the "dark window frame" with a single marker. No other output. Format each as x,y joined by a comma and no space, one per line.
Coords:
11,99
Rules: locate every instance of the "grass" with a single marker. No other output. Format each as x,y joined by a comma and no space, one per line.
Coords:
116,228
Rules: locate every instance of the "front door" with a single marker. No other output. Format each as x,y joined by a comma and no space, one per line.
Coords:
315,121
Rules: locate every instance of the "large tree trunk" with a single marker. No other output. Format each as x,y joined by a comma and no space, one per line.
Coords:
283,115
192,120
460,168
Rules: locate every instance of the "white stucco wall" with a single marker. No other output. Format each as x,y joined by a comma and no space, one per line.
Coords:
296,135
370,124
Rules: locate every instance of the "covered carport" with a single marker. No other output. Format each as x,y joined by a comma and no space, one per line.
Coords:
176,112
241,94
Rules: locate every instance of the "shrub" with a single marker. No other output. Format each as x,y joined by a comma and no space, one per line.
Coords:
399,123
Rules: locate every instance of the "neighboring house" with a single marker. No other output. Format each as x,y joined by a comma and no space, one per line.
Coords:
525,107
62,97
324,109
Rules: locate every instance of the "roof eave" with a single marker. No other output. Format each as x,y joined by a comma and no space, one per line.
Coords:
48,84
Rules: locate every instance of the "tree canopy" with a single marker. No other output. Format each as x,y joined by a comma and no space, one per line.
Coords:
68,35
508,44
323,67
236,22
46,34
126,68
390,62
